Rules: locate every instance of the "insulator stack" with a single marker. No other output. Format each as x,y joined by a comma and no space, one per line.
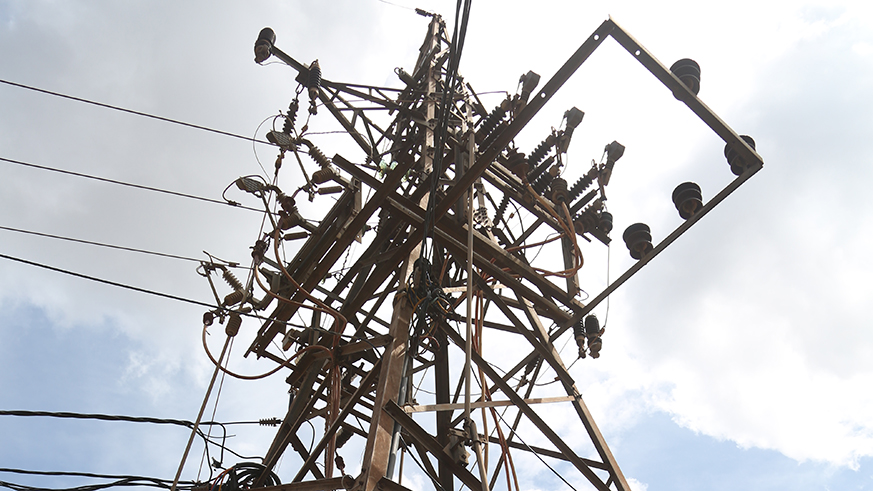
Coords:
318,156
235,297
233,323
231,280
314,81
490,122
326,173
581,185
559,190
269,421
579,335
501,209
291,117
486,142
543,182
541,150
343,435
538,170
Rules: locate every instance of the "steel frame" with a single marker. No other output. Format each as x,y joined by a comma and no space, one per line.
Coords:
401,198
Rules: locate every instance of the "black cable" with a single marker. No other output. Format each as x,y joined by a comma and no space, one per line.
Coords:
448,96
535,453
81,241
420,466
90,474
100,280
122,183
137,419
131,111
94,487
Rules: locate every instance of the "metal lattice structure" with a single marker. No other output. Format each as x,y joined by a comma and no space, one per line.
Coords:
450,177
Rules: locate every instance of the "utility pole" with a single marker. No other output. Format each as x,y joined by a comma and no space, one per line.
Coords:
388,333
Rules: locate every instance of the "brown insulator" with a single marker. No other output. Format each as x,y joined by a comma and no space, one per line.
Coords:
559,190
231,279
487,141
539,153
585,221
233,323
314,81
324,174
318,156
234,297
638,239
264,44
258,251
487,126
738,165
579,336
688,199
295,235
287,203
582,184
542,183
291,117
498,215
289,220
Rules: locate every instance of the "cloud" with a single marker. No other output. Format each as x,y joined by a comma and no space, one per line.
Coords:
753,327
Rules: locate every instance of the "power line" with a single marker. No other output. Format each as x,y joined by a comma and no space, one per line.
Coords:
122,183
100,244
145,419
131,111
107,282
86,474
130,481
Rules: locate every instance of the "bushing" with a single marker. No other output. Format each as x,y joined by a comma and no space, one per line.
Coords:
738,165
638,239
688,72
688,199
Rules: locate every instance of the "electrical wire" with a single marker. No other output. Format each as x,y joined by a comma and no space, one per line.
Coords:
122,183
88,474
131,111
423,469
133,419
538,455
107,282
94,487
101,244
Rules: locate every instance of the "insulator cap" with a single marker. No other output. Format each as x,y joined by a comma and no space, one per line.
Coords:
688,199
605,223
638,238
324,174
738,165
233,323
234,298
264,44
559,190
688,72
592,325
231,280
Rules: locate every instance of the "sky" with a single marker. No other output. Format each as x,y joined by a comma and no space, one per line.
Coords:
741,357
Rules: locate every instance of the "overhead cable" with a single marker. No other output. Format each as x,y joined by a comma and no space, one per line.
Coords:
101,280
100,244
131,111
122,183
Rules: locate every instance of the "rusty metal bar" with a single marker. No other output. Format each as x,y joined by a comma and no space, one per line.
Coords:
322,444
429,442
